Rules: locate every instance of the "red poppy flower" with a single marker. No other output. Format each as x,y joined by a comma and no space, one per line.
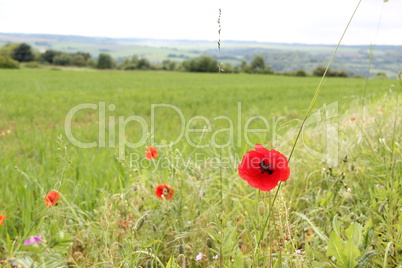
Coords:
352,118
151,153
52,198
164,192
2,218
263,168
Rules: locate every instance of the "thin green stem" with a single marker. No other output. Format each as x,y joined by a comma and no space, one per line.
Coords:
269,213
220,152
393,160
372,46
221,216
267,220
318,90
313,101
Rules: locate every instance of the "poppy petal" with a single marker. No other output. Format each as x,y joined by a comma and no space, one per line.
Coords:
263,168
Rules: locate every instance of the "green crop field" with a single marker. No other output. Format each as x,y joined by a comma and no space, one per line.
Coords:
84,134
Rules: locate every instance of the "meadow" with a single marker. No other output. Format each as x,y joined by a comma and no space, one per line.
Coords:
340,206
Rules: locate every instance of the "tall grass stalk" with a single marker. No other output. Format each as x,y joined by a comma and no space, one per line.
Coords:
393,159
371,55
310,108
221,255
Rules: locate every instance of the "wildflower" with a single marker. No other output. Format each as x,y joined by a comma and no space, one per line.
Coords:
352,118
349,190
215,257
52,198
34,240
199,257
164,192
151,153
380,111
263,168
298,251
2,218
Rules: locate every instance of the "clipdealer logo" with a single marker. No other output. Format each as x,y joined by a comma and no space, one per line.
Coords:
112,129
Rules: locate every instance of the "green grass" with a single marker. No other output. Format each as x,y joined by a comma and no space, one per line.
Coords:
109,215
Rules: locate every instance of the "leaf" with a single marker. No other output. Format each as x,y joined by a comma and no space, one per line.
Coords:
322,265
238,261
351,250
278,263
336,225
212,233
364,260
354,233
315,228
367,233
335,246
308,250
324,201
25,262
171,263
229,242
386,254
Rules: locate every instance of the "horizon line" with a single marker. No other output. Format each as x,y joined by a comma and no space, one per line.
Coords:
184,40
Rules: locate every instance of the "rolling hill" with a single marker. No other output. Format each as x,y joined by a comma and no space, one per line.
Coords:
281,57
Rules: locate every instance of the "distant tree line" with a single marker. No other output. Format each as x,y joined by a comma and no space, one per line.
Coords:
79,59
11,55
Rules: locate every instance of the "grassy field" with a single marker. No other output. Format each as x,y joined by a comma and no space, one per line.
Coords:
344,215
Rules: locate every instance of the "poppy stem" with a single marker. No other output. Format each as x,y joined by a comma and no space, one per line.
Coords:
267,220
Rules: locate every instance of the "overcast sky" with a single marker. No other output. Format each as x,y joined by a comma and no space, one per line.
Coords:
288,21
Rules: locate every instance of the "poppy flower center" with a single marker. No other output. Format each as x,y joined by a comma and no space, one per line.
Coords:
165,191
265,168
